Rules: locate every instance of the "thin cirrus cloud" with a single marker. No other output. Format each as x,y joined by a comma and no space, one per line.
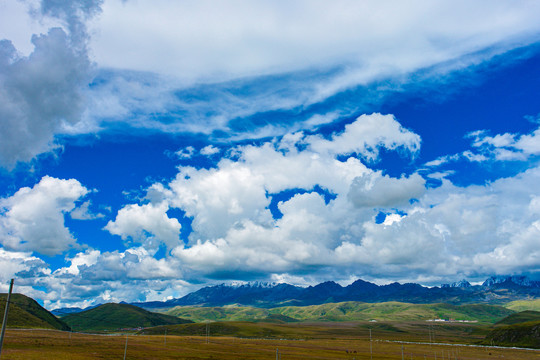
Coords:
215,66
208,68
205,40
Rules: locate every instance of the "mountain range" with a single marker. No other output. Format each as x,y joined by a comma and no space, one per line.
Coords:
496,289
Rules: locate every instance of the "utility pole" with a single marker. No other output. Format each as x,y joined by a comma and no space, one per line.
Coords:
370,346
4,323
125,349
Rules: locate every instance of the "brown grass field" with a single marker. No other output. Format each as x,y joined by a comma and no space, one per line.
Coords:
322,341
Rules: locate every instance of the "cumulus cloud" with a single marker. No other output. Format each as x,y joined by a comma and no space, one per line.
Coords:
32,219
93,277
185,153
280,210
42,94
39,95
209,150
366,135
19,264
457,229
148,224
233,228
384,191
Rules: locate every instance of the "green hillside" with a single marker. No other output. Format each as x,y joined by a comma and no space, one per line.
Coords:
346,311
225,313
110,317
25,312
522,305
520,317
519,335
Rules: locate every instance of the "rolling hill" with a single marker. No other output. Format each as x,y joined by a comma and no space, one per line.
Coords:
522,305
25,312
520,335
111,317
520,318
346,311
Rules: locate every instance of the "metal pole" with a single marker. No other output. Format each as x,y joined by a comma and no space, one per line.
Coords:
165,336
4,323
370,346
125,349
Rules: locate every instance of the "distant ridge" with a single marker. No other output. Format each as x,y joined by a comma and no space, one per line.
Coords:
496,290
511,281
460,284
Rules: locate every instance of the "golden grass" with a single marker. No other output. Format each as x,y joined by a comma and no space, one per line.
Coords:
43,344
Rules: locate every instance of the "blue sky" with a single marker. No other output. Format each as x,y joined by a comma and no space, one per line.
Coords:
151,148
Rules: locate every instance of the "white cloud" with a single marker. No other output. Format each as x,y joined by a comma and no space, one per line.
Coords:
233,230
185,153
469,155
209,150
82,212
507,147
456,229
326,230
148,224
366,135
248,58
95,277
80,260
442,160
32,219
377,190
242,38
12,264
42,94
217,64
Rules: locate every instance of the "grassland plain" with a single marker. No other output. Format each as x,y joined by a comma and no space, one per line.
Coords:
347,311
332,341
